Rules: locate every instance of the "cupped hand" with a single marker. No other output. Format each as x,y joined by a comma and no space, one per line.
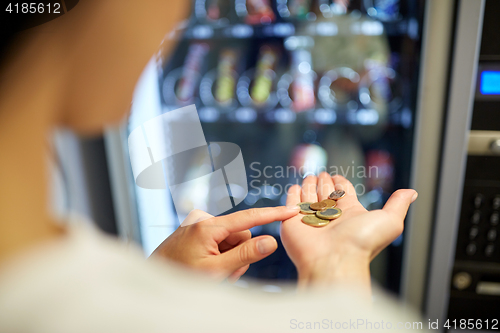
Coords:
341,251
223,246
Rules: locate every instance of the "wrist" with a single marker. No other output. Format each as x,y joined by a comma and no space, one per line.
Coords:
351,271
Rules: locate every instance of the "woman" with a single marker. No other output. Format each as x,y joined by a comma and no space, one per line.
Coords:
79,71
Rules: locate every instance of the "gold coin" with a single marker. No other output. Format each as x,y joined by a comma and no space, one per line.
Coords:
313,221
305,209
330,203
329,214
336,195
318,205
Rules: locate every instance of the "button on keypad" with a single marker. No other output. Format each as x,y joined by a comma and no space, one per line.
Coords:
478,200
496,202
491,236
489,250
476,217
471,249
494,218
473,232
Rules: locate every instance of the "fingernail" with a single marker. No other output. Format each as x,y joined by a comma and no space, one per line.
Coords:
414,197
266,245
294,207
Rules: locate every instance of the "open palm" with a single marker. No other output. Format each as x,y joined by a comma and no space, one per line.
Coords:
357,235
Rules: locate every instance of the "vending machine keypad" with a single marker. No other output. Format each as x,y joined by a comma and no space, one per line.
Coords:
478,234
475,279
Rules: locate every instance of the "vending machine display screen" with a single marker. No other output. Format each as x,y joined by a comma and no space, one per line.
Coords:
490,82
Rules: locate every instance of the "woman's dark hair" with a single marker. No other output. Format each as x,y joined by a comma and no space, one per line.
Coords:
9,26
13,20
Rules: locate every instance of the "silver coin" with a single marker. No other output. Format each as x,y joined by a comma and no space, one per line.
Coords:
305,208
329,214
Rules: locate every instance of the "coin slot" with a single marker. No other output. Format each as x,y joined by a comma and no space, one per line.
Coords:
489,285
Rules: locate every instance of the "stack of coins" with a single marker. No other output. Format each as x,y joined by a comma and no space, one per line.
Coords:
319,214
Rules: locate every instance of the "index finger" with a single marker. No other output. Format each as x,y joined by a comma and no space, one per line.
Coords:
246,219
293,195
325,185
309,188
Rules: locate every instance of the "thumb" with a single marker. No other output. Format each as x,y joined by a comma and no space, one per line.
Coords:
399,202
248,252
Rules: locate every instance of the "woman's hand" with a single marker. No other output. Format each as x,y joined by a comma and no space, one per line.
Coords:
341,251
223,246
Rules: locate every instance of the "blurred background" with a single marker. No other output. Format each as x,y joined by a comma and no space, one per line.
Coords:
389,93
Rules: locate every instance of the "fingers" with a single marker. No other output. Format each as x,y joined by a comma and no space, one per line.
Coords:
309,185
325,186
341,183
399,202
293,195
396,208
234,239
235,276
248,252
250,218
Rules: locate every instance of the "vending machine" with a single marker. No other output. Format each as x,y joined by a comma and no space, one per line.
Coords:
463,282
301,86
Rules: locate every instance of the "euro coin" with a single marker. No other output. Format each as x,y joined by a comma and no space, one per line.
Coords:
330,203
305,209
313,221
336,195
329,214
318,205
